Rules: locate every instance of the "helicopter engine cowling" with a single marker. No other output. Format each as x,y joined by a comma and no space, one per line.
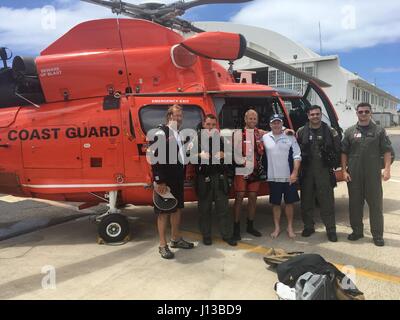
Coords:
217,45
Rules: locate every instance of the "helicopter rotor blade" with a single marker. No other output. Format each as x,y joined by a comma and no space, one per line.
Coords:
186,26
187,5
116,6
153,10
275,63
104,3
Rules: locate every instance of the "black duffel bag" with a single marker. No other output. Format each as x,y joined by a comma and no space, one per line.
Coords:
291,270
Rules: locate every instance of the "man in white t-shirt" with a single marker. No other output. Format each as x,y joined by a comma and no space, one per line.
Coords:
284,158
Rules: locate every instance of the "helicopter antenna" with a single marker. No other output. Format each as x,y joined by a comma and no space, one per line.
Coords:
230,69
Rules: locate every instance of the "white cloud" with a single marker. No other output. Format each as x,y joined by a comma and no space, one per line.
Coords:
32,30
387,70
22,29
345,24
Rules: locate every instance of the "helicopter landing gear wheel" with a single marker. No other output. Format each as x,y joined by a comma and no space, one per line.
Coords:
113,228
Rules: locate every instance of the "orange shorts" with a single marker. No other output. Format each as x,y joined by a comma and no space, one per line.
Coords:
242,185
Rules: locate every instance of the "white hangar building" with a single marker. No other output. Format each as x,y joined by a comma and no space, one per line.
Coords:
347,88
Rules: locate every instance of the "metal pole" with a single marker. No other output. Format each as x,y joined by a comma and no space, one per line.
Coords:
320,38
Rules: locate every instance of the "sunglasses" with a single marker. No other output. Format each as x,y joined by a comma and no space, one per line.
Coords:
364,112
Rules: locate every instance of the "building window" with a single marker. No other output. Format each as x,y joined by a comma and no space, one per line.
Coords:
365,96
354,93
297,87
280,78
288,81
309,70
297,81
272,78
289,85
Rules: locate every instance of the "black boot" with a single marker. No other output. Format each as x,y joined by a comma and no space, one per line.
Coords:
251,230
236,231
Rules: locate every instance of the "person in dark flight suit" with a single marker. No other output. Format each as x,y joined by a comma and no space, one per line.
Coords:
320,152
212,182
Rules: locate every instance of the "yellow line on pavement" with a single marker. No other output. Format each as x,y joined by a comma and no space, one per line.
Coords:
264,250
374,275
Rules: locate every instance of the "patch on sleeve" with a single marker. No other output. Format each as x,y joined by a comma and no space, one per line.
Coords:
160,133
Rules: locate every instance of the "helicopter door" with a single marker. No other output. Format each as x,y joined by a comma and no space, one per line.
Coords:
136,170
315,95
147,114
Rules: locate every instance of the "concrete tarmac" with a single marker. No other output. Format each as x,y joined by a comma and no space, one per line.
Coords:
63,261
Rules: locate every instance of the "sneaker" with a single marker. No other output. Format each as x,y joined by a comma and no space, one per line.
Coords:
182,244
379,242
354,236
207,241
332,237
231,241
307,232
165,252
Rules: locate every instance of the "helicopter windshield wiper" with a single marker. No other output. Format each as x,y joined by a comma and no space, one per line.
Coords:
27,100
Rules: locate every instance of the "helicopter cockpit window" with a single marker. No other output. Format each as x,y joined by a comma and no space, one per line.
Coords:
153,115
311,98
232,110
297,111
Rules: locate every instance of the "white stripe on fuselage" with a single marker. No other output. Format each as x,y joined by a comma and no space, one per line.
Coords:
60,186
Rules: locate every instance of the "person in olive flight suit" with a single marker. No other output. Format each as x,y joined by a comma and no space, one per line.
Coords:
363,147
320,152
212,182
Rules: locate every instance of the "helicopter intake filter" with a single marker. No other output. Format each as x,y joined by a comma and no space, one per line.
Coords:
217,45
182,57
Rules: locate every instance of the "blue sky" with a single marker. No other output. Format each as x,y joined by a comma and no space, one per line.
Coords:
379,64
367,42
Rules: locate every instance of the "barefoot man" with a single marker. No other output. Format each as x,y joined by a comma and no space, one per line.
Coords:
284,157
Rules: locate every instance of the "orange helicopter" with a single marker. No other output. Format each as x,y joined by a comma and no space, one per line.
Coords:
73,121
